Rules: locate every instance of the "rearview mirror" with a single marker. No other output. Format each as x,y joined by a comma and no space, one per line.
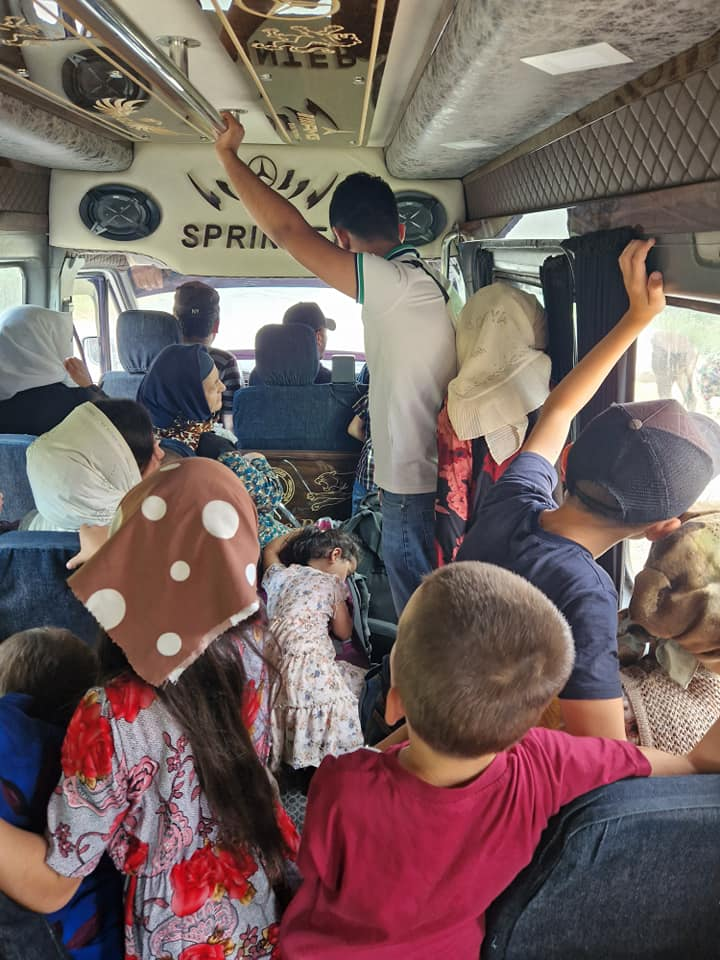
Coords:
91,349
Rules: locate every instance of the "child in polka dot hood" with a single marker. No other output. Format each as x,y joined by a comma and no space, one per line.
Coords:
164,767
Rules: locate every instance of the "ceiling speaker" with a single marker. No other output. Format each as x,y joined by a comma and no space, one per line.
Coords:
424,216
87,77
118,212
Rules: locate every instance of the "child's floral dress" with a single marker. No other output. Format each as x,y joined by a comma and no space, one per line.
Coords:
316,711
129,786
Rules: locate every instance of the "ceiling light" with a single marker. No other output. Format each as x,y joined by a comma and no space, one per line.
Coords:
577,58
466,144
223,4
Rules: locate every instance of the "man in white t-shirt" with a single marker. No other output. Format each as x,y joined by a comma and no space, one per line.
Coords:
409,341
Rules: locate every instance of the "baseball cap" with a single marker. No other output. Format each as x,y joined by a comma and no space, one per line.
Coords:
644,462
310,314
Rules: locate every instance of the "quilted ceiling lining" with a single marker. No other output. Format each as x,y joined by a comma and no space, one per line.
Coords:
670,138
476,99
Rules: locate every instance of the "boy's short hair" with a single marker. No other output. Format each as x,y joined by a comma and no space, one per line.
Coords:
313,544
479,655
639,463
365,205
52,666
197,309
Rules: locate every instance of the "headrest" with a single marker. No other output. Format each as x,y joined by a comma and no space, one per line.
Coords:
142,334
286,355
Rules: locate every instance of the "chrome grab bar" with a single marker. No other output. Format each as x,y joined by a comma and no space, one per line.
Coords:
111,26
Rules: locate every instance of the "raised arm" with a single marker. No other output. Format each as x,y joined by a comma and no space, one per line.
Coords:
580,385
271,552
279,219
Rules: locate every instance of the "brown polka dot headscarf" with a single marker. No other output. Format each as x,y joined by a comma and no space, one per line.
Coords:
179,570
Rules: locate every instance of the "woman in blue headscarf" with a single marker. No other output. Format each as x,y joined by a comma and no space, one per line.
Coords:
182,391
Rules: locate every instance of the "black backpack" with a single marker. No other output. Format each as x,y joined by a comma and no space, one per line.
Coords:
366,525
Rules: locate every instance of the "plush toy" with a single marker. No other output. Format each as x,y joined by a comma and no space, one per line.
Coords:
677,596
671,634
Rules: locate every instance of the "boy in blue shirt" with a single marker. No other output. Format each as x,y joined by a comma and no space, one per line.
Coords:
43,675
632,471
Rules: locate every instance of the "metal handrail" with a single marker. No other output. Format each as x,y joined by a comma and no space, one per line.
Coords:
110,25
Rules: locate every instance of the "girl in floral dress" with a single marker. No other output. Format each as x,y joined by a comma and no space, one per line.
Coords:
163,766
316,710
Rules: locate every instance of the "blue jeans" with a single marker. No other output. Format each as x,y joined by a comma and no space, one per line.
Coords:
359,492
408,542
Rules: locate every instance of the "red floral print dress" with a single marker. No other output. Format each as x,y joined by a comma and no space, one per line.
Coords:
129,786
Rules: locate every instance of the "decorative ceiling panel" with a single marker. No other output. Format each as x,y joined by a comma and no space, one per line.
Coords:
669,138
317,64
476,99
57,58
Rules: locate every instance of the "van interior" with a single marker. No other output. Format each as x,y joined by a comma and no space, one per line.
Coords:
524,142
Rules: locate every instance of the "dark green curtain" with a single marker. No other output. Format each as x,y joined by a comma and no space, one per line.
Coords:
601,300
482,269
557,285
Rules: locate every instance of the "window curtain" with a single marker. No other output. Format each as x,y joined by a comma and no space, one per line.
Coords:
600,302
482,269
557,285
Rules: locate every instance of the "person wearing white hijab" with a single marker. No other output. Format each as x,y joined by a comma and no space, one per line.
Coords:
80,471
40,381
503,379
503,373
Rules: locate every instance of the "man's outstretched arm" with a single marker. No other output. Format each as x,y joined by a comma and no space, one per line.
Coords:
279,219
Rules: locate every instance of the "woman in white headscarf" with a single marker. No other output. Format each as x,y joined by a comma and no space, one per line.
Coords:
40,380
80,470
503,379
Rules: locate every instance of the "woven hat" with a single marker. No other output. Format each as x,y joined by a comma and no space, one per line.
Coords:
503,373
644,462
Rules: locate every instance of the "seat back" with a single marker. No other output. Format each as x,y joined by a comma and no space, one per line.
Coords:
630,870
141,335
34,592
13,475
285,355
302,430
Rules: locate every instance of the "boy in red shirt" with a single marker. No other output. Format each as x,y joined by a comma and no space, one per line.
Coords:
403,851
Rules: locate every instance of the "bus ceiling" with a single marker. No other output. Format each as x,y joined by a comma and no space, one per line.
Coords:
129,94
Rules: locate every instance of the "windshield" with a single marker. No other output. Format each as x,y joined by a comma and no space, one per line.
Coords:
245,308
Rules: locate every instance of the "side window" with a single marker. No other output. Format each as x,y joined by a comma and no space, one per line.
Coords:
113,310
12,287
678,356
86,318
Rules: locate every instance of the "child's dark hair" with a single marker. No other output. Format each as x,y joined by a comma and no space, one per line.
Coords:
197,309
50,665
479,655
366,206
207,704
313,544
133,422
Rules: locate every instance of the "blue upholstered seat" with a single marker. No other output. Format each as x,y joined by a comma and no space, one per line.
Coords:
629,870
141,335
13,476
34,592
286,410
